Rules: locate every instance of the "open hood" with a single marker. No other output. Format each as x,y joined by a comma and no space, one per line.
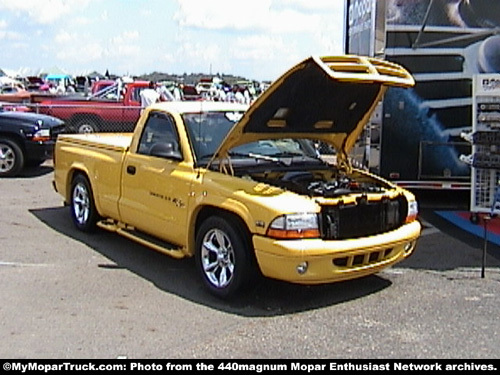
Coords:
328,98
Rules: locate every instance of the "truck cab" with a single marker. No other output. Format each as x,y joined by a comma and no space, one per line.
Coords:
112,108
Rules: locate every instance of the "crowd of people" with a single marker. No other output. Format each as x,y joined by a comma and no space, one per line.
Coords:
161,91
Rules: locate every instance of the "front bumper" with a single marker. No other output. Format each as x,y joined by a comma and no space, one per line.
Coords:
39,151
331,261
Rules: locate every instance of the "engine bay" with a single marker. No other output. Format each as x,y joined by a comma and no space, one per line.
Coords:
328,183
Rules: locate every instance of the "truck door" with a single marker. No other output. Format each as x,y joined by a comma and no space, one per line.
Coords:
156,182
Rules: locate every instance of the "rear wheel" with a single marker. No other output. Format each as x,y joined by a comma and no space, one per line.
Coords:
223,256
84,126
83,210
11,158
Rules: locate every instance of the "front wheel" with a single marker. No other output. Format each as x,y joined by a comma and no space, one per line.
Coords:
223,257
83,210
11,158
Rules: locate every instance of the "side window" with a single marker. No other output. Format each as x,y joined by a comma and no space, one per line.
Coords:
135,94
159,137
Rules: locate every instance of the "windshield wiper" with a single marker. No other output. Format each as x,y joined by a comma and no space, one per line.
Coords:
264,157
287,154
258,157
288,157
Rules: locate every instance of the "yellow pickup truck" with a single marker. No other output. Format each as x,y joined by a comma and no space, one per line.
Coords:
244,189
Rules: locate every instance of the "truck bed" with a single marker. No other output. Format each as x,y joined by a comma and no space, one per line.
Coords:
111,141
99,155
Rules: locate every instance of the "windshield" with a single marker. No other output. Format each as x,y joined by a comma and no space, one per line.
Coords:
207,131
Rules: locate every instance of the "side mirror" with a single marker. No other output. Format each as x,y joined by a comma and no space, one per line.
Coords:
166,150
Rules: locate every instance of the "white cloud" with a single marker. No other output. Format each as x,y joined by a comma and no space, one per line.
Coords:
104,16
222,14
312,5
83,53
44,12
125,50
265,15
259,38
10,35
83,49
130,35
290,20
121,46
259,47
7,34
82,21
64,37
197,51
20,45
168,58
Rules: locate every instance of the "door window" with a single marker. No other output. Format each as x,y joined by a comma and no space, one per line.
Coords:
159,134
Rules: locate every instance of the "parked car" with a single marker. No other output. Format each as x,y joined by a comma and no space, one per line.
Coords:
189,92
26,139
34,83
14,95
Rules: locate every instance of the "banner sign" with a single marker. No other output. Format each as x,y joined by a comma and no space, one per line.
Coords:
252,366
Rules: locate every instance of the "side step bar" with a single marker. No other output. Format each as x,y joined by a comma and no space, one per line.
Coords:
142,238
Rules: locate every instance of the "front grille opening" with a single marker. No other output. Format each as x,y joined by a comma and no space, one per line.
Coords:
358,260
365,218
363,259
340,262
374,257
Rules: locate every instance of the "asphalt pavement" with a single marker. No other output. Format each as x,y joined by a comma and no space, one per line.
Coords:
66,294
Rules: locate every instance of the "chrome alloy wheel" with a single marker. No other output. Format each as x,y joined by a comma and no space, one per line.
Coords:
217,258
81,203
7,158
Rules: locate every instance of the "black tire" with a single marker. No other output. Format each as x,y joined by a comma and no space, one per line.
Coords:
11,158
84,126
82,205
224,257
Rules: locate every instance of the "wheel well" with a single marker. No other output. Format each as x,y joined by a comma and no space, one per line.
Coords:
208,211
71,176
75,119
14,138
235,220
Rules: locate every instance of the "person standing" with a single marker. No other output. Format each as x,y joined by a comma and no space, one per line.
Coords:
149,96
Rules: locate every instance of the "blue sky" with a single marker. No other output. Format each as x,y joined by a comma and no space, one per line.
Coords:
258,39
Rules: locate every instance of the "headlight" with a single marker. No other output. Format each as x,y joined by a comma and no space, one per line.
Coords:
412,211
41,135
293,226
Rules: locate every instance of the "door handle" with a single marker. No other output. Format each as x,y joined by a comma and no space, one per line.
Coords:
130,169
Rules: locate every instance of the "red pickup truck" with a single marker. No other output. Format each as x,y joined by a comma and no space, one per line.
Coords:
116,108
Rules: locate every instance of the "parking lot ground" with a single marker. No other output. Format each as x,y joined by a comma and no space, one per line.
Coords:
66,294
